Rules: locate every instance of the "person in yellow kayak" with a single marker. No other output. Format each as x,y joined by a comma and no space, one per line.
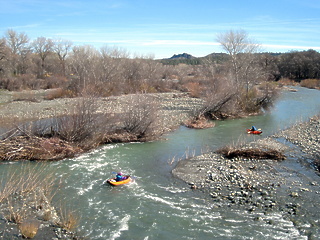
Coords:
120,177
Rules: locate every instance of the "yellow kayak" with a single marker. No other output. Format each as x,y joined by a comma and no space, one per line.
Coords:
113,181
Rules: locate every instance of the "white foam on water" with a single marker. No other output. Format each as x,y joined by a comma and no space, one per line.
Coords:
123,226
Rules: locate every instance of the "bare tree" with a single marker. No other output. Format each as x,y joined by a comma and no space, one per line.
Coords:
110,66
83,63
3,54
43,47
62,49
19,47
16,41
240,48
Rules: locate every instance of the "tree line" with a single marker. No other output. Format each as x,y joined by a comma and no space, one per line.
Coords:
84,70
295,65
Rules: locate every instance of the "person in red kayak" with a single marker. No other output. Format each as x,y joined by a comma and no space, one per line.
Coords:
253,128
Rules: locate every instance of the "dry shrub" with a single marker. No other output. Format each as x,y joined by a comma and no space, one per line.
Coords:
251,153
199,123
69,219
23,193
194,88
141,117
14,214
27,179
286,82
55,82
29,228
80,123
10,83
56,93
310,83
248,101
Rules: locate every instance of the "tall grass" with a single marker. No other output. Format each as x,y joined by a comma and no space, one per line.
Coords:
27,179
26,194
69,219
31,184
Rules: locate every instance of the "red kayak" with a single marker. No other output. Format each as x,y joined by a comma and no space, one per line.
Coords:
254,132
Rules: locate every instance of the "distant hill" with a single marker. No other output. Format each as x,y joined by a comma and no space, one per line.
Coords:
182,56
186,58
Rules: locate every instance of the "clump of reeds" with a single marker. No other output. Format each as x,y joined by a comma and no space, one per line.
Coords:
15,215
29,228
69,219
26,189
251,153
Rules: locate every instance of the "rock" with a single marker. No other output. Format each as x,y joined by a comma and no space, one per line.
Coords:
194,186
294,194
214,195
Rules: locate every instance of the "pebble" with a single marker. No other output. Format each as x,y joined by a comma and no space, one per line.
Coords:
294,194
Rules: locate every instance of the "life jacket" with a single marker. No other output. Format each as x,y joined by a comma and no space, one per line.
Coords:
119,178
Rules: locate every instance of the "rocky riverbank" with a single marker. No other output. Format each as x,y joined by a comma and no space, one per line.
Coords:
174,108
290,187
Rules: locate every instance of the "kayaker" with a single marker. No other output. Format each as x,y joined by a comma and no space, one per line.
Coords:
253,128
119,177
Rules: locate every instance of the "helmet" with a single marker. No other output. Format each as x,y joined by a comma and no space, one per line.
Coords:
119,173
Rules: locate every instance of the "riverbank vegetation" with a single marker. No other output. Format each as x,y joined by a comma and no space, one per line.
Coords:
243,81
26,199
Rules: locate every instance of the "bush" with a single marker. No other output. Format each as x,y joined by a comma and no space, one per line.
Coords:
141,117
57,93
310,83
194,88
29,228
80,123
286,82
69,219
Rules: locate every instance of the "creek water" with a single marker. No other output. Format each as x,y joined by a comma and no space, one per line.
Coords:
157,205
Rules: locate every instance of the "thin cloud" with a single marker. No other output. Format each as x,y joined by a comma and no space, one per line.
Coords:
179,42
275,46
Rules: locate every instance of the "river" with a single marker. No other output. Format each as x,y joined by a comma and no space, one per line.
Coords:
157,205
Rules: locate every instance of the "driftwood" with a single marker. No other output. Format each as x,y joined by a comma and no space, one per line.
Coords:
36,148
252,153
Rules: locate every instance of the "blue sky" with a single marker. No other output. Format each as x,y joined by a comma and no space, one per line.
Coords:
166,27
